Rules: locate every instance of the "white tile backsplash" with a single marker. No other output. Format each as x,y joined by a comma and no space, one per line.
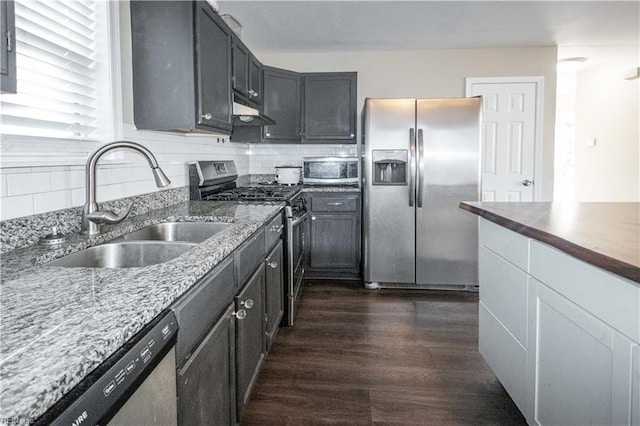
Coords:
40,188
48,201
28,183
18,206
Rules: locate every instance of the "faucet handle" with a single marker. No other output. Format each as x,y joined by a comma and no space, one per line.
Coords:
108,216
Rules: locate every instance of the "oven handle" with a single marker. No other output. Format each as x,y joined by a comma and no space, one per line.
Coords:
299,219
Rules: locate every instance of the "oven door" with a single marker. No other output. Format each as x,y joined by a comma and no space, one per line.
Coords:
298,224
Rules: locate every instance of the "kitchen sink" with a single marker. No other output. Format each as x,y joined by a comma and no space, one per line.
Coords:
192,232
124,254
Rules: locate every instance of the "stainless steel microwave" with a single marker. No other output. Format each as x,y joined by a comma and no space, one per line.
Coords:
330,170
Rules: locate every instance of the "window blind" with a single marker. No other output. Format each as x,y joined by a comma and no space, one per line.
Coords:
55,70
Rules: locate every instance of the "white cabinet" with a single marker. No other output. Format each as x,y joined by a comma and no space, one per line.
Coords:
562,336
584,367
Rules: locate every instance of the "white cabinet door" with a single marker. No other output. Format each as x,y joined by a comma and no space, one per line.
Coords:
585,368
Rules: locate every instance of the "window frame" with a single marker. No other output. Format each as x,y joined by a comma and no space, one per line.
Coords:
26,151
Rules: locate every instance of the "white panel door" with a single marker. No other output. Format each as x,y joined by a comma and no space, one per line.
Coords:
509,116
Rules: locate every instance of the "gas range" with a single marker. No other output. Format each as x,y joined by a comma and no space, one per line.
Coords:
216,180
255,193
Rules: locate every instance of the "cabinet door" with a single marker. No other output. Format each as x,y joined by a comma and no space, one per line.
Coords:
249,336
255,80
274,296
240,67
282,104
584,367
213,69
329,108
334,241
7,47
206,382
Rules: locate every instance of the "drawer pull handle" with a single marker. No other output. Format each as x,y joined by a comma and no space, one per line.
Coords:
247,303
241,314
273,264
334,204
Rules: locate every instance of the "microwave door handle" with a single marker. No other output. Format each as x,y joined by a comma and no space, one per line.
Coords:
412,166
420,167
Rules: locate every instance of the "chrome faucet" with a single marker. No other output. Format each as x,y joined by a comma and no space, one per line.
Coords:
91,216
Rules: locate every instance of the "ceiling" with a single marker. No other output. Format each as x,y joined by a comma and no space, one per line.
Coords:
579,28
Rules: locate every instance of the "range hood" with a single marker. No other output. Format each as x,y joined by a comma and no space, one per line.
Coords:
244,115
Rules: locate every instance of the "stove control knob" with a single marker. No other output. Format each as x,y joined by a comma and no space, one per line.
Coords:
247,303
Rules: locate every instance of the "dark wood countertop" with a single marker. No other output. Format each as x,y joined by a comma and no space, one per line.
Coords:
606,235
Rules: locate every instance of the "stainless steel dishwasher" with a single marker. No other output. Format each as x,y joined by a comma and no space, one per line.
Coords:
134,386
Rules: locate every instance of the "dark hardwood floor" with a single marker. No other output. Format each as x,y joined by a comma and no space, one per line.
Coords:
378,357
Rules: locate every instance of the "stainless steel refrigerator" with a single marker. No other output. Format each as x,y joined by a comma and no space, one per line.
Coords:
421,158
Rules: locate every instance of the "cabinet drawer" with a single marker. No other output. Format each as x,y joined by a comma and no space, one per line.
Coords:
344,203
273,231
249,255
506,357
508,244
198,309
503,290
609,297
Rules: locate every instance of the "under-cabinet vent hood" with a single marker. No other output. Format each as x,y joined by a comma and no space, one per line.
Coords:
244,115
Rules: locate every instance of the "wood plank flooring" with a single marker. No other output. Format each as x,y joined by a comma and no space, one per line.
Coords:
379,357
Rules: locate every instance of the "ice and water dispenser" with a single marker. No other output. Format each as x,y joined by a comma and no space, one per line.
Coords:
390,167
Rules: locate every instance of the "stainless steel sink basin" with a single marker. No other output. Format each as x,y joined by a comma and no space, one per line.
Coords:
193,232
124,254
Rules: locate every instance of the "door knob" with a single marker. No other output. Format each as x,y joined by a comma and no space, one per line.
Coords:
527,182
241,314
247,303
207,116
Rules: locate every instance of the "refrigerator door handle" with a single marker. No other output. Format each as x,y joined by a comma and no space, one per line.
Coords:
420,167
412,166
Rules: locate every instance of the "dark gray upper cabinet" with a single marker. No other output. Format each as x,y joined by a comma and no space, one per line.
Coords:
181,54
255,80
281,103
317,108
247,73
329,107
7,47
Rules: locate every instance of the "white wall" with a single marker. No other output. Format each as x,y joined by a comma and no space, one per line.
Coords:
607,110
437,73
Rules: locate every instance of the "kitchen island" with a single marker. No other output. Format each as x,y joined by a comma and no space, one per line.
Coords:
58,324
559,316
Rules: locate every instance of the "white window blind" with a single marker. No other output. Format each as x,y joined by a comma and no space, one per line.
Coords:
57,71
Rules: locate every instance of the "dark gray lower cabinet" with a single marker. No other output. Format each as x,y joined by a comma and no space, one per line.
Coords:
206,392
334,235
274,297
250,347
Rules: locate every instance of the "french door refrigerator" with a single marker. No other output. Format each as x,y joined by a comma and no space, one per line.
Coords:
421,158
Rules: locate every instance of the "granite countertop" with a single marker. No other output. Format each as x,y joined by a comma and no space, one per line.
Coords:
606,235
58,324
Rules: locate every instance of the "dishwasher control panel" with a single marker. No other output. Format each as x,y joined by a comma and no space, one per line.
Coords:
104,390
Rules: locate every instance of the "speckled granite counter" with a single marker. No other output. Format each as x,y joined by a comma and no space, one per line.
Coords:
58,324
606,235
